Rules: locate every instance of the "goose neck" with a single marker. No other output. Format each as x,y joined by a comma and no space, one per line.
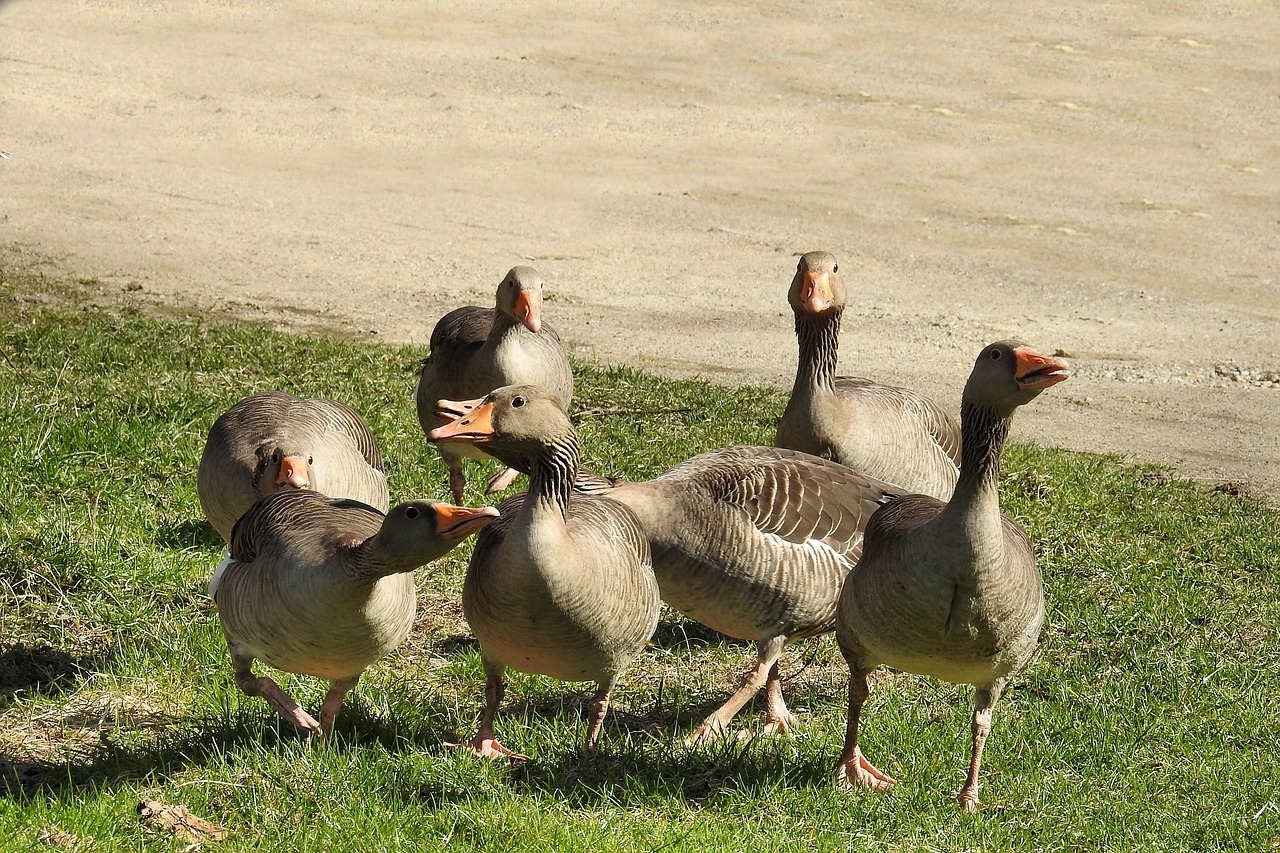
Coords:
983,436
552,474
819,339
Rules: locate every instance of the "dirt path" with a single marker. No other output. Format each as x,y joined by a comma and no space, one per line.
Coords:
1100,180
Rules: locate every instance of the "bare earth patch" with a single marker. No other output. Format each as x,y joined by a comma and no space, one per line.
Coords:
1098,180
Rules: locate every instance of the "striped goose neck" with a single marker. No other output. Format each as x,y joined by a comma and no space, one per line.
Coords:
552,473
983,435
819,339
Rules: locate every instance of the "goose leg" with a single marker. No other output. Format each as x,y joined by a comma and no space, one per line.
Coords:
332,703
769,650
289,710
777,719
984,700
597,707
501,480
457,479
853,767
485,743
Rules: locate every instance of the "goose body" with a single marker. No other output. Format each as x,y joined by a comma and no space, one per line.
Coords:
273,441
563,584
950,590
753,542
325,587
886,432
474,350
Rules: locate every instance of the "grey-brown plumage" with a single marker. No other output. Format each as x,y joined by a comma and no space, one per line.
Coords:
753,542
272,441
325,587
563,585
474,350
886,432
950,590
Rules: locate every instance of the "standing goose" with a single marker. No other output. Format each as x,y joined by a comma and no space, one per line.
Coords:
562,585
325,587
274,441
950,590
474,350
890,433
753,542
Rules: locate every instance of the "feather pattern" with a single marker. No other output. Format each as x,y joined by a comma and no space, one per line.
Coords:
250,444
753,542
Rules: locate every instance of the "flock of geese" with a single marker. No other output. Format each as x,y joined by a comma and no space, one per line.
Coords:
876,516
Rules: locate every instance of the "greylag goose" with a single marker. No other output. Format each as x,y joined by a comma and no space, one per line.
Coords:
753,542
273,441
325,587
563,584
950,590
886,432
474,350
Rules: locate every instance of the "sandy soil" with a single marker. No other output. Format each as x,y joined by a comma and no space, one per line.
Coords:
1100,180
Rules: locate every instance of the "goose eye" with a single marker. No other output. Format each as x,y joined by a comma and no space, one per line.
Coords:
310,460
411,512
995,355
275,456
835,268
517,402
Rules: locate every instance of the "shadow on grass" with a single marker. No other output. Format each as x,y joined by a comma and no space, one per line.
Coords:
188,533
42,668
107,765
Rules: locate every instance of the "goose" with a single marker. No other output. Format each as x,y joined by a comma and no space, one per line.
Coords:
563,584
474,350
273,441
886,432
950,590
753,542
324,587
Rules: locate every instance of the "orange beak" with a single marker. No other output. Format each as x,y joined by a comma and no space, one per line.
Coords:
815,295
458,522
1037,372
473,426
528,309
450,409
293,473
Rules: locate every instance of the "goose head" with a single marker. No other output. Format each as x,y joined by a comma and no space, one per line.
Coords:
520,297
1008,374
280,468
817,289
513,423
427,530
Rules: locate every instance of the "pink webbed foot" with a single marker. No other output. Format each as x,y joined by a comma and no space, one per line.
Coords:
857,771
780,724
289,710
482,746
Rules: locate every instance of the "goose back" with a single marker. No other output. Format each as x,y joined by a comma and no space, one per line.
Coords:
243,454
755,541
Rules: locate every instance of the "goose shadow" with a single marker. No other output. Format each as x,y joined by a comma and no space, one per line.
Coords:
196,742
189,533
27,668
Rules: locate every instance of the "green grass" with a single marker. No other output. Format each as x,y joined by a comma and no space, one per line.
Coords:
1147,720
